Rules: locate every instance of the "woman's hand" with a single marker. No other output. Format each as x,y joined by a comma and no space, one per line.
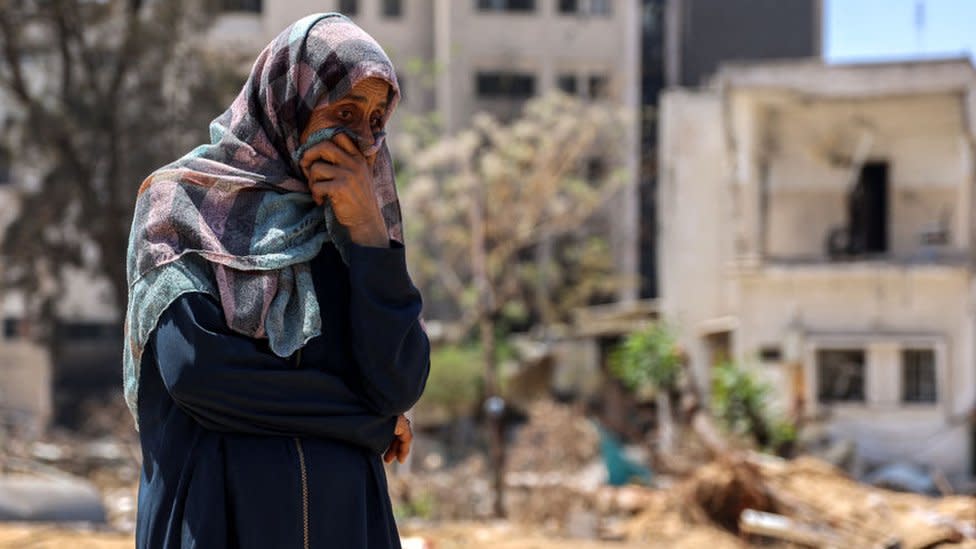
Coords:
400,447
337,170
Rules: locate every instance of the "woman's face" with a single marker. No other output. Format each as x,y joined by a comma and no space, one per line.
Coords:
362,110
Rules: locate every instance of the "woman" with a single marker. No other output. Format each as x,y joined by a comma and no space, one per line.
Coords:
273,338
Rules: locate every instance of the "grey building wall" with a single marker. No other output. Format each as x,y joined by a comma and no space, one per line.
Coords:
710,32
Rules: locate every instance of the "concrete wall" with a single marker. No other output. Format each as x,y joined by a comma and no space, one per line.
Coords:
809,173
693,202
25,387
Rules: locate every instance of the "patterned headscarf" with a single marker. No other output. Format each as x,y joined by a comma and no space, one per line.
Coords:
235,218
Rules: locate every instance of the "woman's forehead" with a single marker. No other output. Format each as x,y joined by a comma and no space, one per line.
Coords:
372,91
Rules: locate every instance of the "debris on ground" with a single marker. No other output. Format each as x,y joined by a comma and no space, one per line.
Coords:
556,437
805,497
557,495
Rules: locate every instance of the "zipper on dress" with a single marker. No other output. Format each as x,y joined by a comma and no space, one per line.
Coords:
301,464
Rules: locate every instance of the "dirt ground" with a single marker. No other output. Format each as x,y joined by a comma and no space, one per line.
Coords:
475,535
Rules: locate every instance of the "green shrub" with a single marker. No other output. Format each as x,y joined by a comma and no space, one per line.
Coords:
741,402
455,380
422,506
647,358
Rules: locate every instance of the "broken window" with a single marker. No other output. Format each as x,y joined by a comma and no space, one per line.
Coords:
866,232
840,375
918,375
868,205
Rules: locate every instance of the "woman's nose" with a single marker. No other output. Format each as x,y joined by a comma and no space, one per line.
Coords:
365,136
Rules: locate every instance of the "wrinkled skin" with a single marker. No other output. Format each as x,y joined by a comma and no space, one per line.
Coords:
338,170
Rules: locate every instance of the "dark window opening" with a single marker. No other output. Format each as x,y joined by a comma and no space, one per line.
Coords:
241,5
771,353
349,7
507,5
13,328
4,166
866,232
568,6
590,7
918,375
840,375
719,348
567,83
869,210
505,84
392,8
598,87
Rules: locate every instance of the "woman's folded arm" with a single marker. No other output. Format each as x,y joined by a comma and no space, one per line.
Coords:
389,342
228,383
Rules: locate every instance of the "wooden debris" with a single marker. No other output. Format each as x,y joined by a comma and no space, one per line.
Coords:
786,529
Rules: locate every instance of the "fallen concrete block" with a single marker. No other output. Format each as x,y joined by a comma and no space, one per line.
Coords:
28,498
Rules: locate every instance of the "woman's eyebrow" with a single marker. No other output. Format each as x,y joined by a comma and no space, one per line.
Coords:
362,99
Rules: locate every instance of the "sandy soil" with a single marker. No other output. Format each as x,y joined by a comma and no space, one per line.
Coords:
445,536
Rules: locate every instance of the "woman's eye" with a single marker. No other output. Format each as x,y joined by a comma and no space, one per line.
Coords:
345,114
376,121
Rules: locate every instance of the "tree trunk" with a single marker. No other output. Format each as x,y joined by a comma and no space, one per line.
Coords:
496,433
665,422
486,328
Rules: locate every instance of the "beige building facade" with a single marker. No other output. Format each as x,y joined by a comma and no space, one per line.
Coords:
817,224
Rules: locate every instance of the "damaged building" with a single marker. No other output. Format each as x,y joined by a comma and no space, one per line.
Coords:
817,223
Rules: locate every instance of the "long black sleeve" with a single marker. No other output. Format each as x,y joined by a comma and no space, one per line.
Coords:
390,345
227,382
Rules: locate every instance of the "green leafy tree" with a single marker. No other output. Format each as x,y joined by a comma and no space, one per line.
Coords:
651,359
742,402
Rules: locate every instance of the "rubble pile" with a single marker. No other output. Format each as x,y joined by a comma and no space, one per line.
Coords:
101,451
555,473
556,438
806,503
459,492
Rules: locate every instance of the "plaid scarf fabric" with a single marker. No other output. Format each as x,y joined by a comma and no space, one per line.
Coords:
235,218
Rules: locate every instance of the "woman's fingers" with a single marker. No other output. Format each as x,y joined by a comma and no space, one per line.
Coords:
347,145
399,449
326,151
403,450
392,451
325,180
